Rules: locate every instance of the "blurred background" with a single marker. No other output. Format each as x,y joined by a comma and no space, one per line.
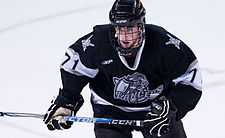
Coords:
34,35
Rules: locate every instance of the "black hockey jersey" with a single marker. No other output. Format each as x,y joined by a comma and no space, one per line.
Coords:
162,59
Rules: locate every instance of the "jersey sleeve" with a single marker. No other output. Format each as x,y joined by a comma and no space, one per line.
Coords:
78,66
182,67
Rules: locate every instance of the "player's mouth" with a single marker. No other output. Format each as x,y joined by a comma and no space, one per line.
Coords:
125,44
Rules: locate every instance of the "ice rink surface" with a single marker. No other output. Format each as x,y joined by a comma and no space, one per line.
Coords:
34,35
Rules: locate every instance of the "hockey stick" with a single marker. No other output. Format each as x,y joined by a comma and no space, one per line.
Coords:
14,114
111,121
94,120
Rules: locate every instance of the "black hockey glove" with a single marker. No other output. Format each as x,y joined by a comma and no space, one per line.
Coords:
159,120
61,107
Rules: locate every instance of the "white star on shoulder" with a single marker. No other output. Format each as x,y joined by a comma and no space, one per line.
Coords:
173,41
86,43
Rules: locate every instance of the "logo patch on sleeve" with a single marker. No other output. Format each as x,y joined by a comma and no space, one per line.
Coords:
173,41
86,43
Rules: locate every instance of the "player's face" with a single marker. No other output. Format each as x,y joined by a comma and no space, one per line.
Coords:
128,36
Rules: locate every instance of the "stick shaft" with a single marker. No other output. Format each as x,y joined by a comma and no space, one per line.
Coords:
16,114
104,121
95,120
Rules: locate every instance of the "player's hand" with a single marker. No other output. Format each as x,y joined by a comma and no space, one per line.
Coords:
54,118
61,107
159,120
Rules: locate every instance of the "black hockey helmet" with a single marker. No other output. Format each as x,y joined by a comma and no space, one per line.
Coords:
127,13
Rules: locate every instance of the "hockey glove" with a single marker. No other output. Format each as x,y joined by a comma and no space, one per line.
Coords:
159,120
61,107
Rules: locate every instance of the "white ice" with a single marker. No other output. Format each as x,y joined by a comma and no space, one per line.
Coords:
35,33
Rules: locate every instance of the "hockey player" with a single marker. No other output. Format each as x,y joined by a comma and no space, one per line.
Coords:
135,71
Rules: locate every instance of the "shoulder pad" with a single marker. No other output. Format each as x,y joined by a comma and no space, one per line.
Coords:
102,27
151,28
103,34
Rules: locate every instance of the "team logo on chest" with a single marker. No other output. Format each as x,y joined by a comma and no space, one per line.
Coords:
134,89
